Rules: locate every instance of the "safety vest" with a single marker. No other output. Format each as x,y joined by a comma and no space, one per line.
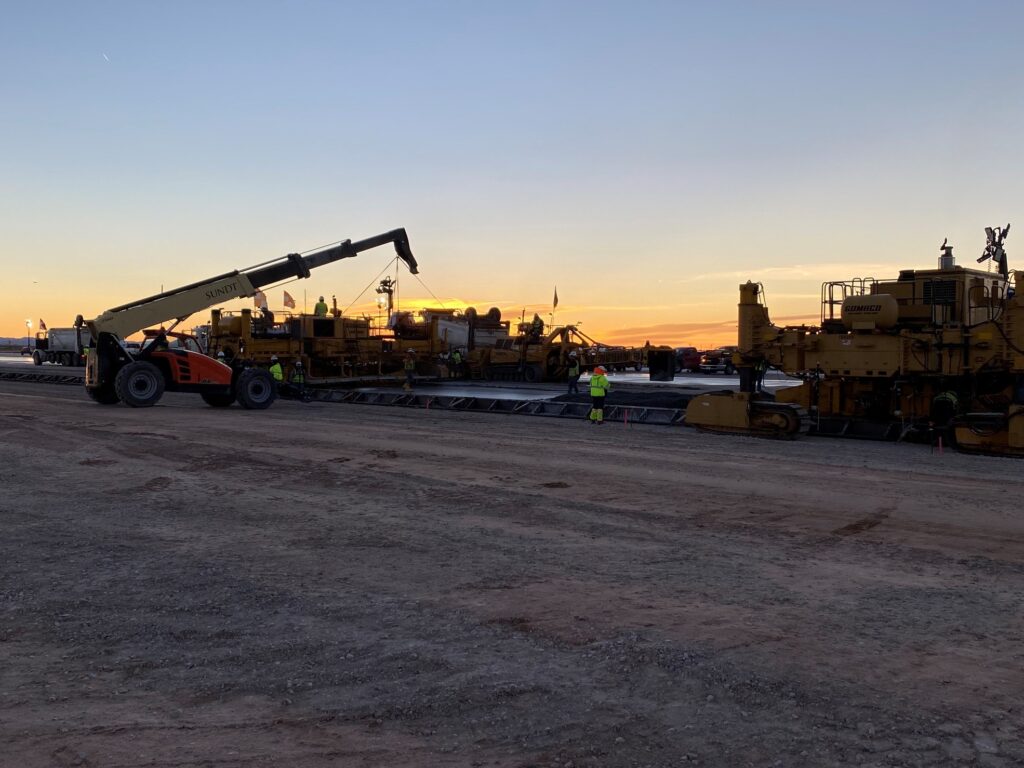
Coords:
574,368
456,357
320,310
947,396
410,364
277,372
298,377
599,385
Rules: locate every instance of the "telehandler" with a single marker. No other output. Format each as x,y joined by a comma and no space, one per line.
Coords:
138,378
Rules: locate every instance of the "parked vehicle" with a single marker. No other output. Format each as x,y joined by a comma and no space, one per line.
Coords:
688,359
718,361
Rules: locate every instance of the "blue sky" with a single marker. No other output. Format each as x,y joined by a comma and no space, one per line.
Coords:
636,154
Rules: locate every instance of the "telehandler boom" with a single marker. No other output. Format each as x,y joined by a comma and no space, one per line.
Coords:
114,373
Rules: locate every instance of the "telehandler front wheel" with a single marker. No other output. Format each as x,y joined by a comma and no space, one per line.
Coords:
256,388
104,395
139,384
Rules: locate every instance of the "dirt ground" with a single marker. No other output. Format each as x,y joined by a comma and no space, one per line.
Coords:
336,585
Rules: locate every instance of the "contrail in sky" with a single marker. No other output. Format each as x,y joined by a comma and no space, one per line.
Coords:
105,57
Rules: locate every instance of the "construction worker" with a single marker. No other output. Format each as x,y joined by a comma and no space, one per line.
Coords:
320,310
410,368
573,370
442,365
599,387
297,381
455,369
536,327
276,370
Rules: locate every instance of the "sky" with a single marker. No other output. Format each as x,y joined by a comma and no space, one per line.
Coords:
644,157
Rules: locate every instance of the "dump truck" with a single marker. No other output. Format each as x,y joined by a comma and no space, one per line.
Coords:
931,353
115,373
61,346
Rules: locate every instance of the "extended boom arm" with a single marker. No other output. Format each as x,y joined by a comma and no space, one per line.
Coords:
181,302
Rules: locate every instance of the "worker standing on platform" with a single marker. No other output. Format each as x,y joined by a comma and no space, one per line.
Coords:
320,310
410,368
599,387
455,368
573,370
536,327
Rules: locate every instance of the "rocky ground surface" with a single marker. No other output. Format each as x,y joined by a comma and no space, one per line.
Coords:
320,584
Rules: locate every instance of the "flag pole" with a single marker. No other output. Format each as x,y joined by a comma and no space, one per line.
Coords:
304,310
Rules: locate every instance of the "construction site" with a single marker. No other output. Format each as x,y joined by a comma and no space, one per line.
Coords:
236,537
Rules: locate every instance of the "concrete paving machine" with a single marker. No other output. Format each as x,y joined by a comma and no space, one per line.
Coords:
933,353
529,357
116,373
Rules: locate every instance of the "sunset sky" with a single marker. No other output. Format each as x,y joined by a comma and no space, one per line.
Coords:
645,157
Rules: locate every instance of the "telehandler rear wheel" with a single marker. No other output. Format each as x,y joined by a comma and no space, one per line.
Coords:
139,384
256,389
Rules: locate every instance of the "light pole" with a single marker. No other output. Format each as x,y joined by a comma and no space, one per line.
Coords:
28,334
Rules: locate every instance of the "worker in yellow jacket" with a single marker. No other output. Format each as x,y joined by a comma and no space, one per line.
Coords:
599,387
276,371
320,310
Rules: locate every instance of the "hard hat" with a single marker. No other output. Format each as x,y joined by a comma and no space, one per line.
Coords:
410,351
221,353
273,358
600,370
298,363
573,353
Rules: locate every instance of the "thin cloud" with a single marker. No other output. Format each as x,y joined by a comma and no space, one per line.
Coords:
826,271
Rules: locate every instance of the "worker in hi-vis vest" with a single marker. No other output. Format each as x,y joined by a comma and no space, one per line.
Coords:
320,310
276,370
599,387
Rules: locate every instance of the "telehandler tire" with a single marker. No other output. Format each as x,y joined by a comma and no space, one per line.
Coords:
104,395
218,399
256,389
139,384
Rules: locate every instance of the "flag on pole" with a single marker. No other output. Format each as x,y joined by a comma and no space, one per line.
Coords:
288,300
554,304
260,300
42,325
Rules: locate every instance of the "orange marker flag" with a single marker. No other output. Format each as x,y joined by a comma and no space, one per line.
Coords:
259,300
288,300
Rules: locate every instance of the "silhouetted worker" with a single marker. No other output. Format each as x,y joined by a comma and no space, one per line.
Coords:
320,310
536,327
573,370
410,368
